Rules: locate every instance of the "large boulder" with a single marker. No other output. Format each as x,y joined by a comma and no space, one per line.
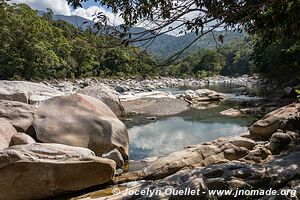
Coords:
6,133
285,118
107,95
19,114
38,171
26,92
155,103
202,95
147,95
155,106
240,142
80,120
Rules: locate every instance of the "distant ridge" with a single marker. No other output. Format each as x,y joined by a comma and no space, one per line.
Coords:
164,45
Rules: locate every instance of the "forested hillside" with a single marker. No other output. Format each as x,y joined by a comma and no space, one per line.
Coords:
165,45
230,59
36,47
40,45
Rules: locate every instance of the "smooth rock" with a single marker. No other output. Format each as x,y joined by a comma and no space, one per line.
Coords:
155,106
6,133
21,138
194,156
201,95
116,156
279,141
261,152
151,95
80,120
231,112
107,95
190,95
285,118
19,114
294,136
242,142
211,94
235,153
26,92
38,171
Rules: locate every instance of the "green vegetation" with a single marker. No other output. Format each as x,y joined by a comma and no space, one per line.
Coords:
33,47
277,45
231,59
275,25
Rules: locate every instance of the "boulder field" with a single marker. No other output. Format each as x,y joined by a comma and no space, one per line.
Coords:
66,143
55,146
280,173
234,163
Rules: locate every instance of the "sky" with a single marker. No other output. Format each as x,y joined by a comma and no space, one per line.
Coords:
61,7
89,9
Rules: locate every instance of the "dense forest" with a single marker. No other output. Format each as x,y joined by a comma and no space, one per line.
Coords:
229,60
37,47
164,45
34,46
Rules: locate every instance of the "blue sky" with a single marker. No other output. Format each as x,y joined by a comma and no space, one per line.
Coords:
90,3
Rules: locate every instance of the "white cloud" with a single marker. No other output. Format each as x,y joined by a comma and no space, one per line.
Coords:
91,11
61,7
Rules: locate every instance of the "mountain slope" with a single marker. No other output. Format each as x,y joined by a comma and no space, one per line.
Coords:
165,45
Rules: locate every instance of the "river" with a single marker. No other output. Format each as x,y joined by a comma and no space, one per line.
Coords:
169,134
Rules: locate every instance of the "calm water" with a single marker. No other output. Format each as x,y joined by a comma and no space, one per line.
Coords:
166,135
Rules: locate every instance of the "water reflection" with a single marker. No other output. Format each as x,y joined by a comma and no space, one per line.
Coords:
200,124
169,135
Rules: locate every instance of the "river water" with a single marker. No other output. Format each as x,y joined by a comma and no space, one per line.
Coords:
168,134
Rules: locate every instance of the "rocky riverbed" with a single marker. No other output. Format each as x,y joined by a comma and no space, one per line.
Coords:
58,138
137,85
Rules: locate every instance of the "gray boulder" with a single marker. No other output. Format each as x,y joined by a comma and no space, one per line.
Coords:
107,95
279,141
26,92
155,103
6,133
21,138
38,171
80,120
285,118
19,114
116,156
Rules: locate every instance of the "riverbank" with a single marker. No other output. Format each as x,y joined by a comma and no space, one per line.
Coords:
231,163
35,116
139,84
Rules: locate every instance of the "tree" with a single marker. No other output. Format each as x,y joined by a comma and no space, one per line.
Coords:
36,47
275,23
212,61
31,48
